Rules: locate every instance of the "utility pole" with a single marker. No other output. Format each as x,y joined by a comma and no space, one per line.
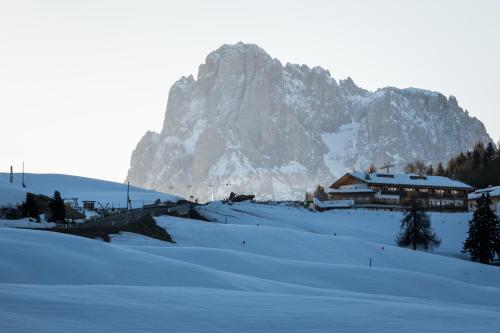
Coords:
128,203
11,175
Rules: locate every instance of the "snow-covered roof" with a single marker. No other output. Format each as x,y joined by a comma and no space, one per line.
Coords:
493,191
410,179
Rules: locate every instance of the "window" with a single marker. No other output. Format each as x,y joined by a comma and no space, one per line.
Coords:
435,203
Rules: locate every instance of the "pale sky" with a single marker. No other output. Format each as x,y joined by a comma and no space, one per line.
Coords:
89,78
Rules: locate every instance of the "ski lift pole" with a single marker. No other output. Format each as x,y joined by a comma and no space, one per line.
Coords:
24,185
128,203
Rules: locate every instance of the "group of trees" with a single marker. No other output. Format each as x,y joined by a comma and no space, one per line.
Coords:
483,237
57,208
319,193
420,167
30,207
479,167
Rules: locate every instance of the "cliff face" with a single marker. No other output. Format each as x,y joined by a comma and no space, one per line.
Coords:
276,131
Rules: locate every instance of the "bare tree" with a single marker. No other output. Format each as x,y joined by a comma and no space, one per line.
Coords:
320,193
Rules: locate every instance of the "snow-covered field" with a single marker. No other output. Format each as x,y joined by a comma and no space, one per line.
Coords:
104,192
261,268
26,223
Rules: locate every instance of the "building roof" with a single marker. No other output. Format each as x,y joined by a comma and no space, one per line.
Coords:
407,179
493,191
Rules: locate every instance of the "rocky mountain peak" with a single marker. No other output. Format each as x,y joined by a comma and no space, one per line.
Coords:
276,131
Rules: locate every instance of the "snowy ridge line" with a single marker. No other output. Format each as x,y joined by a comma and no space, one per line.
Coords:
83,188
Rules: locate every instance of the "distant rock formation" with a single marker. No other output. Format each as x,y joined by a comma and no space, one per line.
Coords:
248,124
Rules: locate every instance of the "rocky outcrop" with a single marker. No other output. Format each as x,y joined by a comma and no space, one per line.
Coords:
249,124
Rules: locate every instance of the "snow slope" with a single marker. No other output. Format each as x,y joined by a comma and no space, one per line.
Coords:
79,187
269,268
10,194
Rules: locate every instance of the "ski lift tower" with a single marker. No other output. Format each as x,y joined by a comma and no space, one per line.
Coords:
211,185
388,166
129,204
24,185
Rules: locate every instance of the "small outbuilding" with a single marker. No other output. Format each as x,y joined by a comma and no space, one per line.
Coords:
493,191
88,205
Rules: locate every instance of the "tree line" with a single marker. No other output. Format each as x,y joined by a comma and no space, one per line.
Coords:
478,167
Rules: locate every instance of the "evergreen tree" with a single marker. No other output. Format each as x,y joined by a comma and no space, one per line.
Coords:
320,193
477,156
440,171
30,207
479,167
490,153
430,170
416,229
57,207
483,239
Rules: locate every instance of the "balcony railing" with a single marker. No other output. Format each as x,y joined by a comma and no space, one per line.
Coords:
427,204
445,195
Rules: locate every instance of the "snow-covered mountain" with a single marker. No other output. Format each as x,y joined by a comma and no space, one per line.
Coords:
249,124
